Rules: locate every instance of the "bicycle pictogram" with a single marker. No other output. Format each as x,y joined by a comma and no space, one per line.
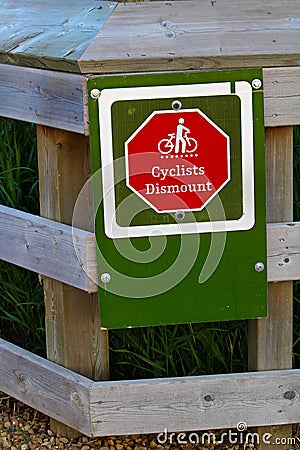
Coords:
178,141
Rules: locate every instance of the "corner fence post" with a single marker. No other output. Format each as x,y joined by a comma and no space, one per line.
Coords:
73,334
271,339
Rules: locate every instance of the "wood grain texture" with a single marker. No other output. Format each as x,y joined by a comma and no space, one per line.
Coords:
64,167
283,251
194,403
71,315
271,339
281,96
194,35
51,389
74,337
59,100
145,406
265,355
68,254
45,247
50,34
43,97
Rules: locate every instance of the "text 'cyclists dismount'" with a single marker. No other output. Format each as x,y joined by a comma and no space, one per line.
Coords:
177,160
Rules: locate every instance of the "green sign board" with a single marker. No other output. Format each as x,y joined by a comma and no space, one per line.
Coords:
179,193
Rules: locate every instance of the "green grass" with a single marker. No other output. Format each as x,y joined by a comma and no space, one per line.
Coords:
179,350
18,166
165,351
22,308
21,294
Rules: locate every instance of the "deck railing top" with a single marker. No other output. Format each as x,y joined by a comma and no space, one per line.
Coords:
93,36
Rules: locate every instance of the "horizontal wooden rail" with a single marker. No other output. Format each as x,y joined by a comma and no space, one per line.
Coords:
149,406
68,254
46,247
43,385
44,97
58,99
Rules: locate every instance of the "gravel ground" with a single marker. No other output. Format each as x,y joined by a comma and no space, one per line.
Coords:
23,428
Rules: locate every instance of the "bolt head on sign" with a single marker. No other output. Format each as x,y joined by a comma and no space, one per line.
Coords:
177,160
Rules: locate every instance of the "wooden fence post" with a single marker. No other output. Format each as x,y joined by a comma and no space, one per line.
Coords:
271,339
74,338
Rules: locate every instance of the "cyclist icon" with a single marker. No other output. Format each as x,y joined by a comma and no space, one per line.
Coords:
182,139
181,133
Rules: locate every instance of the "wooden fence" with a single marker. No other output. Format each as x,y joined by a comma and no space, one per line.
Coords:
46,84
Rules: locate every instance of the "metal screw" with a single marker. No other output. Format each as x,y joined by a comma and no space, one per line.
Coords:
180,215
259,267
95,94
105,278
256,83
176,105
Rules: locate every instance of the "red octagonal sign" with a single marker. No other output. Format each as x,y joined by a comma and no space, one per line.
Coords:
177,160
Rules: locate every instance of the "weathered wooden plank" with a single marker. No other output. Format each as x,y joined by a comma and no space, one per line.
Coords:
45,247
53,390
270,340
68,254
58,100
282,96
44,97
71,315
195,403
195,35
49,34
149,406
283,251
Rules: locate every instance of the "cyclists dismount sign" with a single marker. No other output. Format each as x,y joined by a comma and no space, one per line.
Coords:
177,160
178,180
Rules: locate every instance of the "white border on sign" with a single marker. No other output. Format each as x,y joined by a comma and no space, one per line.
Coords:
243,90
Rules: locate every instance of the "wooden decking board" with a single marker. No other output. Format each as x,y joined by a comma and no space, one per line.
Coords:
44,97
49,34
141,36
196,35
